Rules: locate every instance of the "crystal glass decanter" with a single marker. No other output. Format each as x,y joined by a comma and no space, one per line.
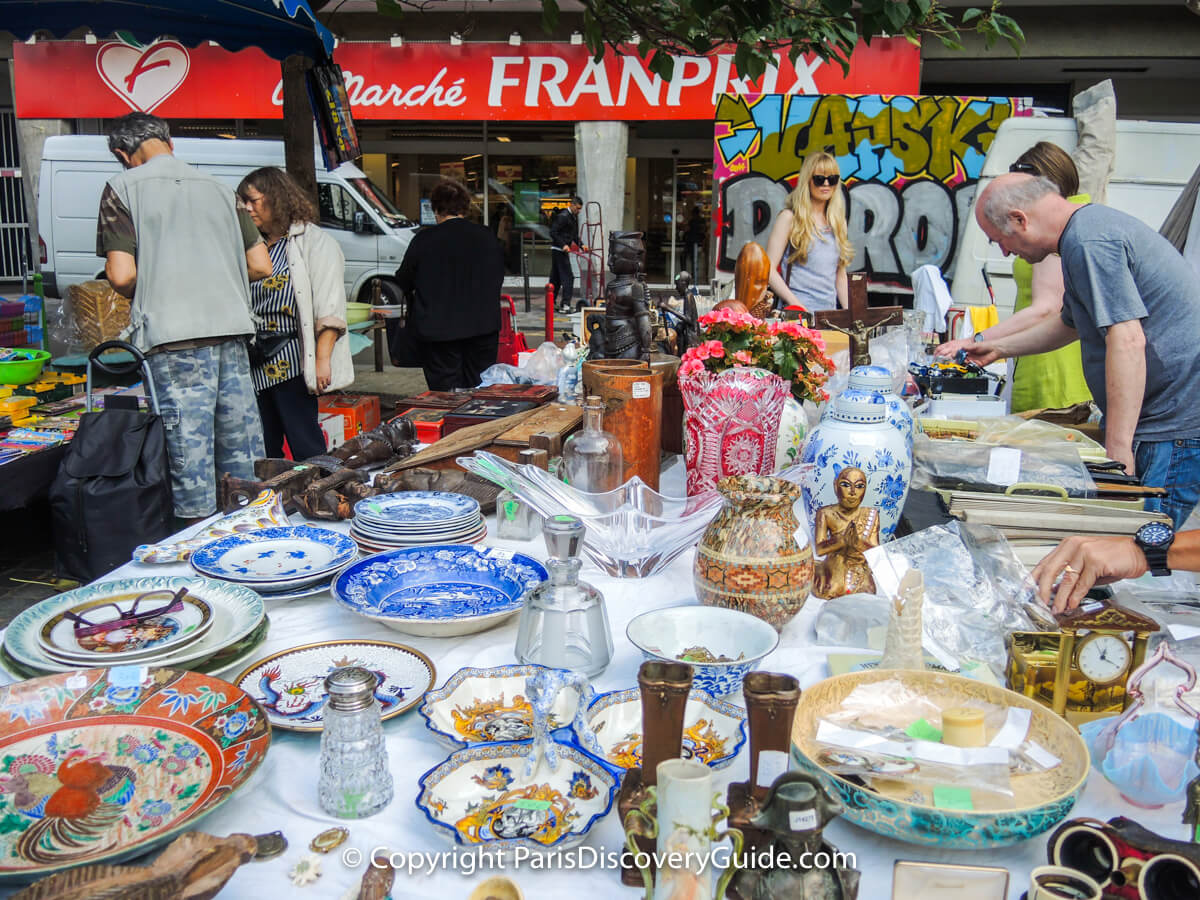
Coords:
564,624
591,459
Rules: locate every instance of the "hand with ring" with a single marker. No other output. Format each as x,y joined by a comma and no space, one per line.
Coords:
1076,565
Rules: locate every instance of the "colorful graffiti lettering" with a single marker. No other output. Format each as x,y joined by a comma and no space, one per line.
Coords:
909,166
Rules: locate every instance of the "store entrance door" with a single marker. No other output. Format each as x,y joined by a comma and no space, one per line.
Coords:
676,218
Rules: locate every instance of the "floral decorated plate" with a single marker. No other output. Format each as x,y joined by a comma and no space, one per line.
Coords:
274,555
290,685
417,508
236,612
375,527
110,631
482,796
476,706
103,764
713,730
440,590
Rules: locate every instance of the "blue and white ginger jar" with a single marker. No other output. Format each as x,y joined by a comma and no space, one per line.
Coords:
856,433
879,378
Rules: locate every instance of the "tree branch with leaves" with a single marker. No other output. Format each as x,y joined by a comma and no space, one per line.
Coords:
758,29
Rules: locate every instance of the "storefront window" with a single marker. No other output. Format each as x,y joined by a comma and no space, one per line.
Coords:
674,211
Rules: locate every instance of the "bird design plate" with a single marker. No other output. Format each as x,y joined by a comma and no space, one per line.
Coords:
275,555
99,765
290,685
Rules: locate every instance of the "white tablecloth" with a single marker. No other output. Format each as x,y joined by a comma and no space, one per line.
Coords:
282,795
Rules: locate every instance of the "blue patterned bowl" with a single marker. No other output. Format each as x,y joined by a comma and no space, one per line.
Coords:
905,811
438,591
667,634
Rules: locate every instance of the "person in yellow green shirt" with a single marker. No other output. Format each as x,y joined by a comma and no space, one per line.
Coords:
1051,380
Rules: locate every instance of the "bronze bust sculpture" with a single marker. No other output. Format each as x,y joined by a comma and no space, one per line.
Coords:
626,328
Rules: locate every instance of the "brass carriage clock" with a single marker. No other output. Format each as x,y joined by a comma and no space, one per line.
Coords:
1081,670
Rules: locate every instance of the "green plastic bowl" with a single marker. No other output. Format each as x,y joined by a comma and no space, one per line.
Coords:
357,312
25,369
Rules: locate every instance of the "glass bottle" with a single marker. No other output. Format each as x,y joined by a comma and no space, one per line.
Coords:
516,520
564,624
354,781
591,459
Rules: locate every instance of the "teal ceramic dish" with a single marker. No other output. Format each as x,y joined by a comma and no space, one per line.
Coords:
899,810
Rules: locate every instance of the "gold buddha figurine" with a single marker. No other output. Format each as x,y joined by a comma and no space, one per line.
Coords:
841,534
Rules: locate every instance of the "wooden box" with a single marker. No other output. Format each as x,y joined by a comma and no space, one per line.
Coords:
534,393
428,423
434,400
475,411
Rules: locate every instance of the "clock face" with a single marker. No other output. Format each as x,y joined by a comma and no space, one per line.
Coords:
1154,534
1103,658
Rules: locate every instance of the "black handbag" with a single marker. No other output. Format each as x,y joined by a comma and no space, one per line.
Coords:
113,489
264,346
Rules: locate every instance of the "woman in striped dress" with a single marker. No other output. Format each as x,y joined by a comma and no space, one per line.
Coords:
301,313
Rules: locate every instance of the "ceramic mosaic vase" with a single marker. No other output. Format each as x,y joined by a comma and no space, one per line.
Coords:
857,433
750,558
730,423
878,378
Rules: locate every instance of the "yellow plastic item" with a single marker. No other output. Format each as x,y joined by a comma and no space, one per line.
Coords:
5,391
53,377
357,312
14,406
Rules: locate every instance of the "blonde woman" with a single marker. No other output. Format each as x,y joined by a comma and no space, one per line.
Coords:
809,246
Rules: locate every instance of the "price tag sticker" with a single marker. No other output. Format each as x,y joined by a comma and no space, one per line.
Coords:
771,764
525,803
126,676
802,819
77,682
1004,466
641,390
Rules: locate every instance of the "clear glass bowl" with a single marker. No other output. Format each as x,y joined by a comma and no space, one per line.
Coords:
632,532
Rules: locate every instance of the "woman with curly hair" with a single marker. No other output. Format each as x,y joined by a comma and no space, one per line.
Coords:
300,349
809,238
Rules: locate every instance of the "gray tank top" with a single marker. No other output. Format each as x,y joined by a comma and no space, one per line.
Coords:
815,281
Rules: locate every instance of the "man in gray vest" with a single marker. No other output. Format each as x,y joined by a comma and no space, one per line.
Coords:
176,243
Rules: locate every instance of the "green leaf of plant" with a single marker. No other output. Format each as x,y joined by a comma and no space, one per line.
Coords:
389,8
971,14
549,15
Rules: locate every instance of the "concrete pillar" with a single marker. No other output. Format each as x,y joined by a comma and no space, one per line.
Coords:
601,149
31,136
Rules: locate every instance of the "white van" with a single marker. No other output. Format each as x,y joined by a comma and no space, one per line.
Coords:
1154,161
373,234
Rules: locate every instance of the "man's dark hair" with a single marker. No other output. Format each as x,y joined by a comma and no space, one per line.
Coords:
450,198
577,200
131,131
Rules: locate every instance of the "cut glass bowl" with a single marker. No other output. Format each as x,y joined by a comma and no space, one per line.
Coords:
632,532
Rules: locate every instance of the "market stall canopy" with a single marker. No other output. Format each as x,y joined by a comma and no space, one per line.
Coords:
278,27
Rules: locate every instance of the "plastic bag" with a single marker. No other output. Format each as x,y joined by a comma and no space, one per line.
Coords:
976,591
543,365
90,314
850,621
976,466
891,350
503,373
1017,431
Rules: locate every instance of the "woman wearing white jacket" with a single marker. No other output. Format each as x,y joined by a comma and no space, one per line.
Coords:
300,349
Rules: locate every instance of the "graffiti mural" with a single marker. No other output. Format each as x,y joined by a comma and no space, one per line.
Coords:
909,166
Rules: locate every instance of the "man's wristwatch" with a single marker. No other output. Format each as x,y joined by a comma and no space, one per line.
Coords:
979,338
1155,539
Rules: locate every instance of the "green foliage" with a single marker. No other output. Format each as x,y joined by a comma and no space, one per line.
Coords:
829,29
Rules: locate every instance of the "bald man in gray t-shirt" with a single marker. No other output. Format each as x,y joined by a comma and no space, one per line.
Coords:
1134,304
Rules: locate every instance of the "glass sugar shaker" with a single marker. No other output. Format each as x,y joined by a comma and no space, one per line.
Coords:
355,781
515,519
592,459
564,624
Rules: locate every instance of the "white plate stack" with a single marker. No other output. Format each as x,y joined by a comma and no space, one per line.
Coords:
416,518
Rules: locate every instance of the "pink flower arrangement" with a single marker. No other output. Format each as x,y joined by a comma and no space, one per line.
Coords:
788,349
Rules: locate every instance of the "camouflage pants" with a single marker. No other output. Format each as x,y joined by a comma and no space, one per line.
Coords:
211,419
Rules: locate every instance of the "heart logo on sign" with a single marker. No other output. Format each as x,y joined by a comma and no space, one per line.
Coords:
143,77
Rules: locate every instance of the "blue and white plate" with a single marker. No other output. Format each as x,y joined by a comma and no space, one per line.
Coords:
288,555
438,591
417,508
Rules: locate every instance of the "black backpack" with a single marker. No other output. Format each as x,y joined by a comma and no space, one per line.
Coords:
113,489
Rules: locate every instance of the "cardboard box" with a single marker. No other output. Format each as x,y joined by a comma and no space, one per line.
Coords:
361,411
334,427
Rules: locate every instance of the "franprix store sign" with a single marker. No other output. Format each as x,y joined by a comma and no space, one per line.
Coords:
491,81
